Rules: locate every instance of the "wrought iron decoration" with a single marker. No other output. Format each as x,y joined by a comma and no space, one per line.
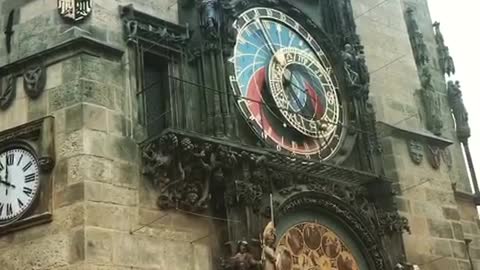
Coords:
75,10
34,80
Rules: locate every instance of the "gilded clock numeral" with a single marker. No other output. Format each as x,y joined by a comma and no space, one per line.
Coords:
1,209
1,167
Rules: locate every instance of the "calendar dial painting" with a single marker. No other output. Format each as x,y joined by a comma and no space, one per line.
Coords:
286,86
315,247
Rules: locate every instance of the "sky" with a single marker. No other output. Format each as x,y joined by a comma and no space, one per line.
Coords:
460,27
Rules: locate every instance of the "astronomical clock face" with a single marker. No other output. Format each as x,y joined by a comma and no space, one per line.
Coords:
285,85
311,246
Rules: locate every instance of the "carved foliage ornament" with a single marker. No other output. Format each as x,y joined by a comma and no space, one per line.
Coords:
34,80
392,222
416,150
7,91
74,10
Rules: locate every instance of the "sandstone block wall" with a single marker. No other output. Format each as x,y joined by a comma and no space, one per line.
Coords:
99,195
440,221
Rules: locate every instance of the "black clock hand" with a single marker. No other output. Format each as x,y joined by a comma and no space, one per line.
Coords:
7,184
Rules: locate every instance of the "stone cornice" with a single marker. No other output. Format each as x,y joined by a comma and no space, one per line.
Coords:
416,134
74,40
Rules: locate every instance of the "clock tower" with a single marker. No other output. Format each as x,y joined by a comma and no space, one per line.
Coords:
223,134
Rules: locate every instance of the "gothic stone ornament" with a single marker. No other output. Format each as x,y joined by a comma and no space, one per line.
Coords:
356,71
419,47
7,91
74,10
434,156
445,60
431,102
210,18
447,157
34,80
459,111
392,222
415,149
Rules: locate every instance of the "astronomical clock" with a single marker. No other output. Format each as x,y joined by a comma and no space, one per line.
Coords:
286,85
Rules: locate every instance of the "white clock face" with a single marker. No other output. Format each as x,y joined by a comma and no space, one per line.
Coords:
19,183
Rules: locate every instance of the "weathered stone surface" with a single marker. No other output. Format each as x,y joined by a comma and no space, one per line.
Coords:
107,193
458,231
451,213
459,250
440,228
110,216
99,245
50,252
99,169
126,174
441,247
70,195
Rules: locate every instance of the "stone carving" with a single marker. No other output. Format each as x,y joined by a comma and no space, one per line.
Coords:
210,18
181,171
445,60
434,156
248,194
274,259
419,47
356,70
243,259
431,103
392,222
416,150
447,157
139,26
34,80
74,10
459,111
7,91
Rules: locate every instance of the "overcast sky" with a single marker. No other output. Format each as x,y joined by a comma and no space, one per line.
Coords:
460,27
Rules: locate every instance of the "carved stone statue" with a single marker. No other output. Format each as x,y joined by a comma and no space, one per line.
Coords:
243,259
210,18
438,34
419,47
268,247
272,259
356,71
459,111
431,102
446,61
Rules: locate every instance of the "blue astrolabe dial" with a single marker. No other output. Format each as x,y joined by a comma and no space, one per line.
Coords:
285,84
